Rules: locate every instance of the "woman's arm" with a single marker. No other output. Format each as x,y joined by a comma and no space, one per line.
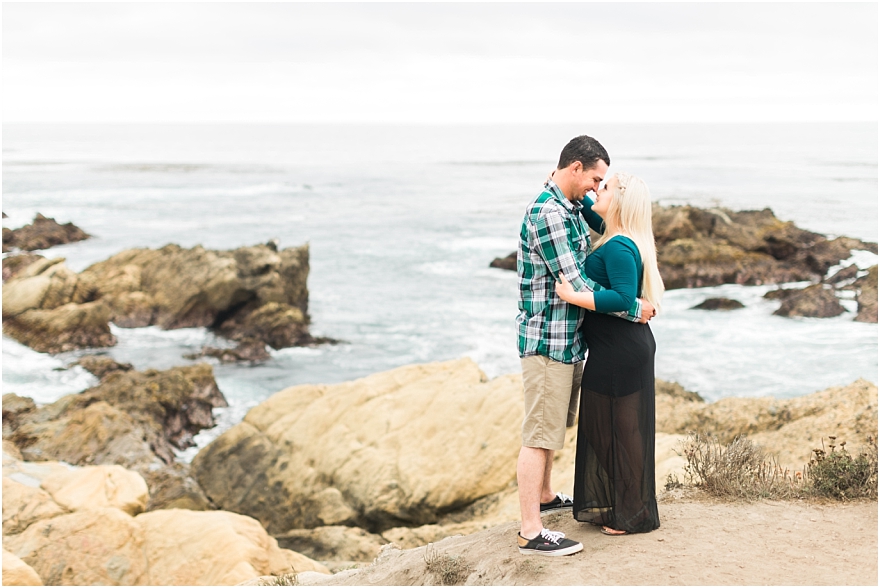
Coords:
621,266
593,220
567,293
622,269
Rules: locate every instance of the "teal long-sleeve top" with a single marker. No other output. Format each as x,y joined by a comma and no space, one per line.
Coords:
616,265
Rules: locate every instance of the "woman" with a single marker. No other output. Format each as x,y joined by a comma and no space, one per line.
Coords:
614,467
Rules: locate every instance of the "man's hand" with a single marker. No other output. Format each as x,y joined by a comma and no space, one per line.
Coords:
648,311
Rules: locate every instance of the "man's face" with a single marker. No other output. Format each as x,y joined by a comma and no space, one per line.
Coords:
588,180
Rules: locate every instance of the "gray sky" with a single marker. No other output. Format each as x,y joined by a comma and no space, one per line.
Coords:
439,63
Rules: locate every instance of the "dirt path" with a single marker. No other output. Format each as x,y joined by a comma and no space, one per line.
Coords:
699,543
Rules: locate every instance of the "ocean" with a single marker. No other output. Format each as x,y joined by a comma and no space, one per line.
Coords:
402,223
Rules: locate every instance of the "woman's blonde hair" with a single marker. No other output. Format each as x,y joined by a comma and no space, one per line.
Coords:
630,212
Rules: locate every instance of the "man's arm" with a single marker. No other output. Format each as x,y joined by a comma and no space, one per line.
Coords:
551,237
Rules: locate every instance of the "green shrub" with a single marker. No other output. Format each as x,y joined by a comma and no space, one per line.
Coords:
837,474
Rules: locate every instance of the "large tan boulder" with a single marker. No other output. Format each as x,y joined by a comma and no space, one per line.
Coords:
18,573
101,546
65,328
24,505
213,548
401,446
98,487
33,491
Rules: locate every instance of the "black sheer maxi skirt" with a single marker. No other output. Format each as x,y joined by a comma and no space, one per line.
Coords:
614,467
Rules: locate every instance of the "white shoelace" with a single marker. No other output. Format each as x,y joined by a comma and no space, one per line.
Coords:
552,536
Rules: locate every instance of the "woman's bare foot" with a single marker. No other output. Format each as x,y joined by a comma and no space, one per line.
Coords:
610,531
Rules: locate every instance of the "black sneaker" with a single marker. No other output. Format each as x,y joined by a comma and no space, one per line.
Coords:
548,543
561,502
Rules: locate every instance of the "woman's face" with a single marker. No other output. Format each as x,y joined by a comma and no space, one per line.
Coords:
604,196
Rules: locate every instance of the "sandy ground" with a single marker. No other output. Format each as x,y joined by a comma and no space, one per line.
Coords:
699,542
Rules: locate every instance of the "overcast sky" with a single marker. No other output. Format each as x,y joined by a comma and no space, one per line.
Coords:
439,63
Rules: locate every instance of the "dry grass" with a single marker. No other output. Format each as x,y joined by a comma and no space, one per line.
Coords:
451,570
740,469
289,579
743,470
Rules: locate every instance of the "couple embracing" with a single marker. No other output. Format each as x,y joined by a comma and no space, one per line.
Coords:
580,299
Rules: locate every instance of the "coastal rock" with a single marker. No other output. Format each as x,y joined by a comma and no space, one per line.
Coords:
18,573
99,542
65,328
709,247
101,546
845,275
333,543
247,294
185,548
134,419
248,350
867,296
41,234
719,304
508,263
399,447
101,365
789,428
818,300
14,264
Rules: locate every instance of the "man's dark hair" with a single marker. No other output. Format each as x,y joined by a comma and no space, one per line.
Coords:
585,149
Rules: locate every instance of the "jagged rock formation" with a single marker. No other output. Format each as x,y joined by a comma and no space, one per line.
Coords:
42,234
256,295
134,419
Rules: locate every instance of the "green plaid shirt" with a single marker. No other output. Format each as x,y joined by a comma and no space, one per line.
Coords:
554,238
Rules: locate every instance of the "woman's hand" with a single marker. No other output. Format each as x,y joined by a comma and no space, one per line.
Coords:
563,288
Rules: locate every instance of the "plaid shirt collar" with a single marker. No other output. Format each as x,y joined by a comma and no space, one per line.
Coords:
572,207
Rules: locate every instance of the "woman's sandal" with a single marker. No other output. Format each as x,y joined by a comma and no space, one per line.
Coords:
615,533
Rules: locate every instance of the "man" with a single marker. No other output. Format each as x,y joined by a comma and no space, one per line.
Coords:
554,238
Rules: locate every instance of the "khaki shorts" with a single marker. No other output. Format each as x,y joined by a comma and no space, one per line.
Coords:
552,390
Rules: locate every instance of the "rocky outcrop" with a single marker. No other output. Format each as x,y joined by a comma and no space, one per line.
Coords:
866,288
85,526
697,247
13,264
101,365
401,453
399,447
508,263
18,573
719,304
337,543
818,301
256,295
134,419
42,234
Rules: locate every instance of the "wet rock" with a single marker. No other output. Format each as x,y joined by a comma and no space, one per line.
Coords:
867,296
249,350
818,301
843,276
395,448
709,247
101,365
508,263
134,419
41,234
248,294
719,304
